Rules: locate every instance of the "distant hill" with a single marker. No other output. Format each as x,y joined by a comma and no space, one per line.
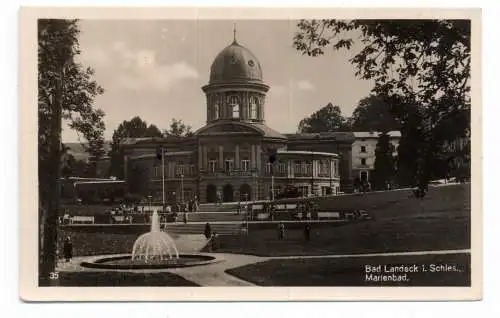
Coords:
76,150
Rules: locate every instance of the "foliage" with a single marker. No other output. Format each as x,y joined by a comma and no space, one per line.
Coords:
66,90
138,180
374,113
72,167
423,63
384,163
134,128
178,129
328,118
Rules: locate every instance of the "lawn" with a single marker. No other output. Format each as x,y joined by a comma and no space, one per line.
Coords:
111,279
351,271
388,235
96,243
440,221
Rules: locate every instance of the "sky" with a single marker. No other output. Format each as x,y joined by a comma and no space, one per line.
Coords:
155,69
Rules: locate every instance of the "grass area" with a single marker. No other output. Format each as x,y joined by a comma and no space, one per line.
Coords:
390,235
96,243
440,221
111,279
351,271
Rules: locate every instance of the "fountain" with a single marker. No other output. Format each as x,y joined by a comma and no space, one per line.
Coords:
154,245
152,250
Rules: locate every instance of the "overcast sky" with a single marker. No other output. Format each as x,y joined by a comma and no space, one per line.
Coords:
155,69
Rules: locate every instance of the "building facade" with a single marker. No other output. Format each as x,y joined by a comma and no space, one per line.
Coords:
230,154
363,152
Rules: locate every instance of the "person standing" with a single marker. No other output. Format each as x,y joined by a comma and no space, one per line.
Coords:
208,231
68,249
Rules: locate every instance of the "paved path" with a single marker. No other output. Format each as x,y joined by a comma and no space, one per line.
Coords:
214,274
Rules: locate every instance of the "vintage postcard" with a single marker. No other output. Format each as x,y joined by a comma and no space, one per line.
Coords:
262,154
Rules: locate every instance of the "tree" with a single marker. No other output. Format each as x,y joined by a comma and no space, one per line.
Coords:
328,118
383,171
134,128
425,63
178,129
72,167
374,113
66,90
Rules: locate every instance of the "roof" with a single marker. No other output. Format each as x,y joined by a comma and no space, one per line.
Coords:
235,63
338,136
228,127
309,153
375,134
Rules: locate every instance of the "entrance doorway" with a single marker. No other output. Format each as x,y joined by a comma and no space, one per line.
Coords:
245,192
228,193
211,193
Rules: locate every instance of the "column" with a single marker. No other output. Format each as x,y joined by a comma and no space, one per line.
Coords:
237,156
125,167
205,157
200,157
253,159
258,157
289,168
221,157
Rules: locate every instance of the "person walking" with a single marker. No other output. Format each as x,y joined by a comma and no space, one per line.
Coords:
281,231
208,231
68,249
307,233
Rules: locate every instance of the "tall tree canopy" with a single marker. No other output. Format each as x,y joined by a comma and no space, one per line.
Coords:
421,63
374,113
134,128
384,166
66,90
328,118
178,129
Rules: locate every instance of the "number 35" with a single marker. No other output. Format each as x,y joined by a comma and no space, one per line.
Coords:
54,275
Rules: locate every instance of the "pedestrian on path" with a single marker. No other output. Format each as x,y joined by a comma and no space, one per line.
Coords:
208,231
281,231
307,233
68,249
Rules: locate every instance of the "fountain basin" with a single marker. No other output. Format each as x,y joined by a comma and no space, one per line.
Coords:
126,262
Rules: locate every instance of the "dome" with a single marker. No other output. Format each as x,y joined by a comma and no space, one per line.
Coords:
235,63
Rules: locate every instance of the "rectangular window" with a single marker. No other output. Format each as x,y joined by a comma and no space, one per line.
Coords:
363,148
363,161
268,167
245,164
297,167
180,169
282,167
228,165
212,164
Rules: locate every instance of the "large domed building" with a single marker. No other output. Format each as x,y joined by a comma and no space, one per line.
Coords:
230,154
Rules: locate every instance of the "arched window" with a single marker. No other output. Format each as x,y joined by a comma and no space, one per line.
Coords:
234,105
254,103
216,107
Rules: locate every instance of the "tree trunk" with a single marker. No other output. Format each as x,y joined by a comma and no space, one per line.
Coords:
52,184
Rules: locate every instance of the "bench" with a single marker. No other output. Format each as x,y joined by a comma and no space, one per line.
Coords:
81,219
262,216
328,215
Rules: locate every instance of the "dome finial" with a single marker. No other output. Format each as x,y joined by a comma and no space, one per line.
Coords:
234,33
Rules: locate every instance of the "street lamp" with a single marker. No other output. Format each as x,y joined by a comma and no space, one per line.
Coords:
312,173
182,188
150,197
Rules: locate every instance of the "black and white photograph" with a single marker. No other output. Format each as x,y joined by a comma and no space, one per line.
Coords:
244,150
